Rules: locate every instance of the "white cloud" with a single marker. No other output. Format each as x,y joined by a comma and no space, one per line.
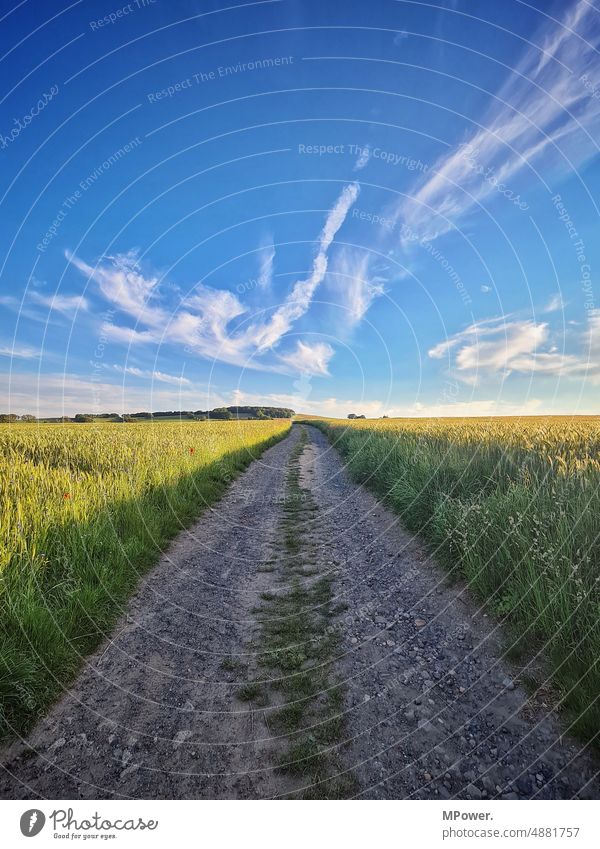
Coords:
337,215
202,322
29,305
122,283
504,345
309,358
10,301
555,304
363,158
543,108
66,304
170,378
160,376
299,300
267,258
24,352
354,286
128,335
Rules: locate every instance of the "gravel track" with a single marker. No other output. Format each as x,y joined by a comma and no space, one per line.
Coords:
432,709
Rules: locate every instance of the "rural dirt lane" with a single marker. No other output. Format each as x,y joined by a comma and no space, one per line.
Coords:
181,703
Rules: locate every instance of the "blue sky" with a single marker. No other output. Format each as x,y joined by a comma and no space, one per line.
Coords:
381,208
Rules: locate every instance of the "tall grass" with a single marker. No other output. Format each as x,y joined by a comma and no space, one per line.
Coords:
84,510
514,506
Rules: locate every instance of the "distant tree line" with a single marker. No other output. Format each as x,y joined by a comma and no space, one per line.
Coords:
261,412
7,418
225,413
221,413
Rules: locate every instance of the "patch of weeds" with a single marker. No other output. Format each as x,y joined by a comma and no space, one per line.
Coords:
266,596
321,591
303,759
292,541
330,730
292,659
250,692
301,686
288,718
339,787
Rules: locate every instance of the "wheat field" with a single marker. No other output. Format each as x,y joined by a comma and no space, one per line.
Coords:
84,510
513,506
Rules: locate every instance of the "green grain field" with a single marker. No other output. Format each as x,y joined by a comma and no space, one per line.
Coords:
513,506
84,510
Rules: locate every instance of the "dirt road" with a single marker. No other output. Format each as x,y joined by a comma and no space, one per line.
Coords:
297,642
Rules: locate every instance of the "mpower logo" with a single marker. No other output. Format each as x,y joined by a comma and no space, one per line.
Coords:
32,822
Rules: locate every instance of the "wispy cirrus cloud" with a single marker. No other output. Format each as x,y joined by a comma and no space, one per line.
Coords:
354,284
209,321
543,109
298,301
120,281
30,305
69,305
555,303
506,345
160,376
363,158
22,352
309,358
492,344
266,263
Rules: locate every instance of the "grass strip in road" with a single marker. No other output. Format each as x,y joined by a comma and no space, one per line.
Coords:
297,649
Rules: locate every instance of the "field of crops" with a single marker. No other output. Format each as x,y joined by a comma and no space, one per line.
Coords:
84,510
513,505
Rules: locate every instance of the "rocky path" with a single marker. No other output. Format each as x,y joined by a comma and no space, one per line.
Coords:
297,642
